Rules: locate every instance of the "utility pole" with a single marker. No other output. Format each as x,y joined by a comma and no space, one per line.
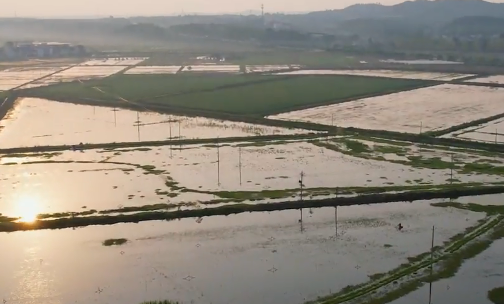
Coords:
115,117
179,130
218,162
301,185
496,134
170,130
138,125
240,164
431,265
332,120
421,126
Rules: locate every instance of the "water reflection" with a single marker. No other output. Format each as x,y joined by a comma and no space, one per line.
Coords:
27,207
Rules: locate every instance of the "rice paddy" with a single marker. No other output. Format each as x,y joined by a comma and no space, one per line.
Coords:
229,178
16,77
153,70
421,110
383,73
120,61
491,132
270,248
54,123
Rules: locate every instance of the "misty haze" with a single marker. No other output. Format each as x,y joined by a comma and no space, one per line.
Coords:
257,152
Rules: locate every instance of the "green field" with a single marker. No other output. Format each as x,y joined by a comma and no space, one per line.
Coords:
297,92
257,95
140,87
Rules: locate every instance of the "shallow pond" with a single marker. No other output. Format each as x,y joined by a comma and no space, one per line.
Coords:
252,258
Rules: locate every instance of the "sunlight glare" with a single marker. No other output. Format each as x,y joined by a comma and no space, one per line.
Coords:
27,208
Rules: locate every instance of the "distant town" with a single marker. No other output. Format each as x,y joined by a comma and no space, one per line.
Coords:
26,50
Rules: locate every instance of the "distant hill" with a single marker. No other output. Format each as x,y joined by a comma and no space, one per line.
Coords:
421,12
235,32
477,25
380,27
143,31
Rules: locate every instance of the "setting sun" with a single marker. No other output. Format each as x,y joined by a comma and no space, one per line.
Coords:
27,208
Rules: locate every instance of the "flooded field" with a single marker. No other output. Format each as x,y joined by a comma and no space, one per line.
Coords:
421,61
36,122
29,190
154,70
420,110
269,68
16,77
382,73
213,68
77,73
127,61
277,167
471,284
280,256
492,132
498,79
207,175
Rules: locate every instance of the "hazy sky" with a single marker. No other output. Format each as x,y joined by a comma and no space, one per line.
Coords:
89,8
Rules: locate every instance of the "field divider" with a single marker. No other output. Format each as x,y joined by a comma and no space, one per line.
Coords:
367,199
444,254
181,142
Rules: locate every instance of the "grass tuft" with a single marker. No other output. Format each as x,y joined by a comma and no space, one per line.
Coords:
114,242
496,295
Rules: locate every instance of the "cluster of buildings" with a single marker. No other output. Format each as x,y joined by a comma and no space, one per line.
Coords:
26,50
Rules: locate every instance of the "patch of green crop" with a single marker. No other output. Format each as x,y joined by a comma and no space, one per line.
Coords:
44,216
496,295
429,163
7,219
483,168
114,242
488,209
356,146
391,150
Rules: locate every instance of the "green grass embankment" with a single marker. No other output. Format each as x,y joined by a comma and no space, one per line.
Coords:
241,208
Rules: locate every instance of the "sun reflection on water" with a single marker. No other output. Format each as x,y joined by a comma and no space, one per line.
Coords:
27,208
